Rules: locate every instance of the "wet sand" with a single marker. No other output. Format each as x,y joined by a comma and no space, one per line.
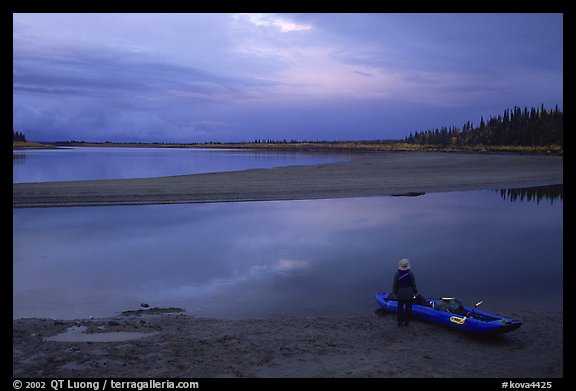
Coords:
374,174
371,346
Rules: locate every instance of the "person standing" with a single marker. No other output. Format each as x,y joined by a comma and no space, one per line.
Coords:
404,288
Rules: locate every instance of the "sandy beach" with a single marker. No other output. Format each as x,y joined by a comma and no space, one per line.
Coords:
373,174
177,345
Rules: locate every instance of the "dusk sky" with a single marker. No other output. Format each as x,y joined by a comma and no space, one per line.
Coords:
240,77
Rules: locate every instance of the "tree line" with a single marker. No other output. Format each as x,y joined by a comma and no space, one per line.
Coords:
521,127
535,127
18,136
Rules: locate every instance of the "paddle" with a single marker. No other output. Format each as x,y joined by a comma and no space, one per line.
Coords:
458,320
475,306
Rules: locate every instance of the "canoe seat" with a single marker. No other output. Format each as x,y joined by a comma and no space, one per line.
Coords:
449,305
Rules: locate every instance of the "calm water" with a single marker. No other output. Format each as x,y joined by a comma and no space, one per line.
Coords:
259,259
67,164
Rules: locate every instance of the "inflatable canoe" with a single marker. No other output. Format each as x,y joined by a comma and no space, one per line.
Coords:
450,312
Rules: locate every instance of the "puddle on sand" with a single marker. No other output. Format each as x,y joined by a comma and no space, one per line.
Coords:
77,334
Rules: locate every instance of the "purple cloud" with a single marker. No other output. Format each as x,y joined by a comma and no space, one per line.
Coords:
203,77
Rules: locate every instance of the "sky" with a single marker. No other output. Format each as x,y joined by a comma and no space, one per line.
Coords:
239,77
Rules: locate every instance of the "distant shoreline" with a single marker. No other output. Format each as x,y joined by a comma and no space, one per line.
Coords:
328,146
374,174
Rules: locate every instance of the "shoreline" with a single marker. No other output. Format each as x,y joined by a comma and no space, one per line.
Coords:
309,146
368,346
378,174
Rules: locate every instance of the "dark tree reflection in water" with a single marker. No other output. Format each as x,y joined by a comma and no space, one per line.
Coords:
537,194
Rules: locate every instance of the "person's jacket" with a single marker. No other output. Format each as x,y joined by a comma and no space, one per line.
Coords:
404,286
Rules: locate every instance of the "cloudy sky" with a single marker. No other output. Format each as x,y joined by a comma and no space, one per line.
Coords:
238,77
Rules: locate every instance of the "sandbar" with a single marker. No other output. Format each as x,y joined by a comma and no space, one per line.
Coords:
372,174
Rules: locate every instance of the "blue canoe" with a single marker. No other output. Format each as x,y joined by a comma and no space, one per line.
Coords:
450,312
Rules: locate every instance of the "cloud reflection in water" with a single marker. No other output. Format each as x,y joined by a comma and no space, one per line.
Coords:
321,257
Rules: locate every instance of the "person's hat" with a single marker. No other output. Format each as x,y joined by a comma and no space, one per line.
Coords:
404,264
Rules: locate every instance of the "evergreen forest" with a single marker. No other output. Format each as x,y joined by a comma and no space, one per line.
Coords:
514,127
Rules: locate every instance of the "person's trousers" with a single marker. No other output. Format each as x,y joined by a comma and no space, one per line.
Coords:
404,311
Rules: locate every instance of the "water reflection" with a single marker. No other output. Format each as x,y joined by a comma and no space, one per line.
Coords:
257,259
536,194
87,163
18,158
